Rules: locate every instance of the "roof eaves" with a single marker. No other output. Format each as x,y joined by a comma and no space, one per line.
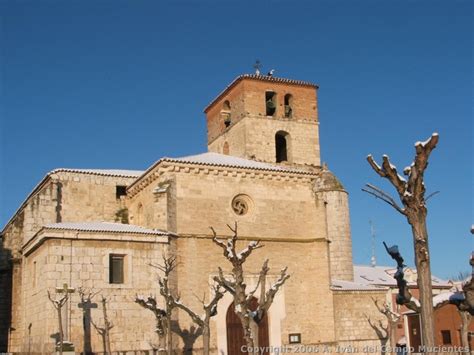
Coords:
98,230
218,165
94,172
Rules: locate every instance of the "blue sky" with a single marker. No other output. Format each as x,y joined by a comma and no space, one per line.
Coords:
119,84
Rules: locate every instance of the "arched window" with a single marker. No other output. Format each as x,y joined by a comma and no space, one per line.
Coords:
225,149
282,146
139,219
270,103
225,113
288,105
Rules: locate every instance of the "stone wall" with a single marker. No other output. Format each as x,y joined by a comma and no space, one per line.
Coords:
304,305
351,310
81,260
279,207
60,197
339,233
252,134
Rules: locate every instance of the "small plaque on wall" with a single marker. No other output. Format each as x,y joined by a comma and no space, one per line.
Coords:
295,338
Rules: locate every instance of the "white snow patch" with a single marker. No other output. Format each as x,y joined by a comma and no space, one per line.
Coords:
447,297
415,301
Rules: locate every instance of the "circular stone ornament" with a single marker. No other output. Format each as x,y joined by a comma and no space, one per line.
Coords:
241,204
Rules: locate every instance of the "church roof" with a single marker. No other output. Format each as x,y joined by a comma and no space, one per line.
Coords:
342,285
383,276
104,227
216,159
267,78
102,172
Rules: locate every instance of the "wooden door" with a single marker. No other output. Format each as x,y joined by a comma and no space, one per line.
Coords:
414,330
235,333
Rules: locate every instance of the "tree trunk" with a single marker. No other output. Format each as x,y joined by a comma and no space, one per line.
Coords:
61,334
108,350
104,343
393,334
254,329
162,343
169,336
422,261
206,339
465,322
248,336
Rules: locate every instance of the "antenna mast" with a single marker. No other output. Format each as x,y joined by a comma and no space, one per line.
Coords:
373,260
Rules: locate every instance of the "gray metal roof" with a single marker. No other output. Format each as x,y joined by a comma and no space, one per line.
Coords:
383,276
341,285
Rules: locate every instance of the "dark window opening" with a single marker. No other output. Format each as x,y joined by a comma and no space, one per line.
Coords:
225,113
225,149
288,106
446,335
270,103
281,147
120,191
116,266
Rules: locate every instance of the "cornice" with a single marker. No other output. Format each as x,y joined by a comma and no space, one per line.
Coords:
165,166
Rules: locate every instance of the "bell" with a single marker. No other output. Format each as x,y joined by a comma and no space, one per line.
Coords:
271,105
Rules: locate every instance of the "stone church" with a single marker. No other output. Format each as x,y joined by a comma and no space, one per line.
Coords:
100,230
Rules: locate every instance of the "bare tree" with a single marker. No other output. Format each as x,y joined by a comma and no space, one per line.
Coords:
237,287
381,330
58,304
104,331
412,195
210,310
392,320
163,315
160,316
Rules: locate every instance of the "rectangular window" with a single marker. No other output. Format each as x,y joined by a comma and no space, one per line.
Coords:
116,268
120,191
446,335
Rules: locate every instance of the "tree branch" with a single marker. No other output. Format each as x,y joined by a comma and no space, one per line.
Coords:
380,194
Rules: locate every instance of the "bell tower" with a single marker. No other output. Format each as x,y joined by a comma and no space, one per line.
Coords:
267,119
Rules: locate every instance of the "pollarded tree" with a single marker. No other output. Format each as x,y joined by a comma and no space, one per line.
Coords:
58,304
150,303
104,330
411,192
203,321
163,315
237,287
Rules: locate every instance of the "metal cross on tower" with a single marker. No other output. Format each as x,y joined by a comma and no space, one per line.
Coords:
66,290
257,66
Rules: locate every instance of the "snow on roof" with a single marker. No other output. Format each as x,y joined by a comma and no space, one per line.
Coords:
216,159
260,78
447,297
341,285
104,227
383,275
102,172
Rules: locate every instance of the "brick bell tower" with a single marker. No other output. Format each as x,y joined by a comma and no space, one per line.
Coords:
267,119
